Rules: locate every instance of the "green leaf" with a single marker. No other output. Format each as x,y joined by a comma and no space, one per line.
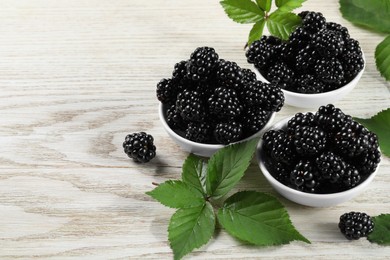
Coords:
256,32
258,218
265,5
382,58
242,11
177,194
282,24
381,232
227,166
288,5
380,125
191,228
374,14
194,172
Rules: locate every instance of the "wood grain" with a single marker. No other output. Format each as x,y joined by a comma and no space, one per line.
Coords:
76,76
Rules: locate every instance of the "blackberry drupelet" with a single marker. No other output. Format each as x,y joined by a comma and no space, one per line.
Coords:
202,62
305,177
354,225
174,119
300,119
309,141
139,147
279,146
280,73
267,96
226,133
229,74
166,91
224,103
331,166
308,84
328,43
198,132
329,70
331,119
343,31
314,22
190,106
254,119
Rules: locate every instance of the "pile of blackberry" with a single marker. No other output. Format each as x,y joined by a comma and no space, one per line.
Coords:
322,152
214,101
319,56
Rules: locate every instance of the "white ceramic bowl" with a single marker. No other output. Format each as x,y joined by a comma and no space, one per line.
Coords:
303,198
205,150
315,100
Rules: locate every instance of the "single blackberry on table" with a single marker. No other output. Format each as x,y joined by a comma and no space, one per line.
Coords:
267,96
261,51
228,132
224,103
354,225
253,120
300,119
140,147
314,22
174,119
329,70
280,73
229,74
343,31
201,63
331,166
309,140
328,43
198,132
190,106
331,119
350,178
305,177
279,146
167,91
308,84
367,162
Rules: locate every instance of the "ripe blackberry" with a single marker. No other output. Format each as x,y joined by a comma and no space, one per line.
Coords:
224,103
226,133
314,22
166,91
351,177
287,53
248,76
229,74
300,119
279,146
331,119
308,84
367,162
328,43
305,177
331,166
352,63
190,106
280,73
280,172
352,46
300,37
343,31
253,120
174,119
329,70
305,59
198,132
354,225
201,64
309,140
179,73
303,14
261,51
267,96
139,147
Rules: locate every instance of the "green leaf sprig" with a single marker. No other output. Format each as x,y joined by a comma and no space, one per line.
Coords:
374,15
280,23
250,216
381,232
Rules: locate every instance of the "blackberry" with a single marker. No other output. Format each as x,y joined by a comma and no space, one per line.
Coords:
303,14
308,84
329,70
305,59
224,103
352,46
331,166
229,74
261,51
190,106
174,119
367,162
280,172
253,120
279,146
328,43
139,147
309,140
248,76
300,119
179,73
314,22
354,225
205,90
335,27
226,133
331,119
280,73
300,37
166,91
351,177
287,53
305,177
352,63
201,64
198,132
267,96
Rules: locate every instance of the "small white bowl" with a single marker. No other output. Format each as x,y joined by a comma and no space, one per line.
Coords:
304,198
315,100
205,150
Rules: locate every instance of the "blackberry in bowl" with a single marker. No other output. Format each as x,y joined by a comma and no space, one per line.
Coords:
319,159
211,102
320,63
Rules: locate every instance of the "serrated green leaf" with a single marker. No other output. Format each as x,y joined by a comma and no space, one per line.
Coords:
374,14
282,24
258,218
380,125
256,32
382,58
194,172
191,228
177,194
227,166
242,11
265,5
381,232
288,5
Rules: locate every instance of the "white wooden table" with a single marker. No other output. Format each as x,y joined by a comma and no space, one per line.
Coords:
77,76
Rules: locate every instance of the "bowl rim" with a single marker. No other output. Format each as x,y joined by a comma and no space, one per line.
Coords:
203,145
260,154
